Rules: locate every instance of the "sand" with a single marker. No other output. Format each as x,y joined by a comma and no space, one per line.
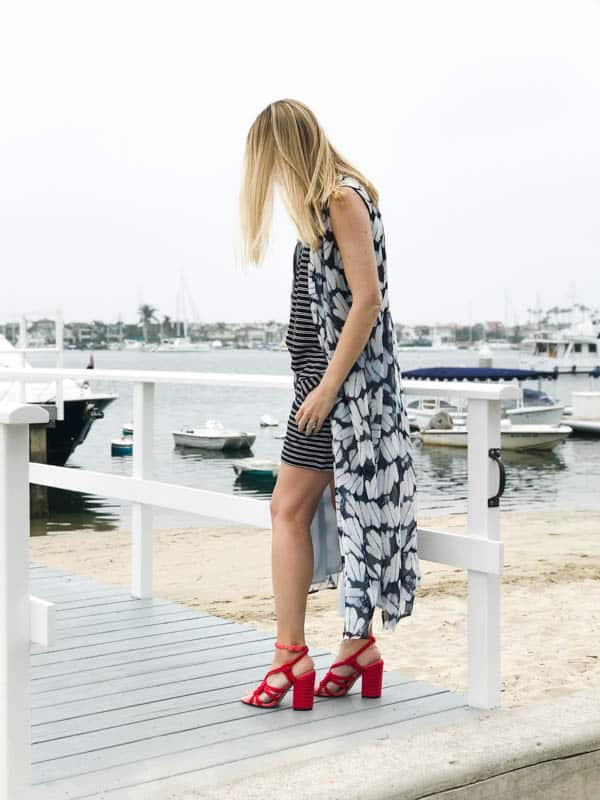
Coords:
550,596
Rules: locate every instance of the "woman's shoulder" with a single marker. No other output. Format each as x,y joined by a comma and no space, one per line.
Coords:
350,197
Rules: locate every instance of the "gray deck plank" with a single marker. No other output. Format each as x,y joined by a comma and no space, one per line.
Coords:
76,641
171,775
81,593
120,678
253,734
128,664
116,624
123,645
170,707
65,660
125,609
218,723
210,689
87,598
61,690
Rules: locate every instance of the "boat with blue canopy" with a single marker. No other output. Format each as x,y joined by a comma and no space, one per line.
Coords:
477,374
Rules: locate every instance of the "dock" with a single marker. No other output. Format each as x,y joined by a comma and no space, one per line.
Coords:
140,698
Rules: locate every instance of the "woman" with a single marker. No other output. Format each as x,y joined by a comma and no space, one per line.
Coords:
347,427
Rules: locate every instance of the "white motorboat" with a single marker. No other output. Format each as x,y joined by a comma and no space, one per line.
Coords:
585,414
443,433
82,405
570,351
181,344
256,468
268,421
421,411
534,408
536,415
214,436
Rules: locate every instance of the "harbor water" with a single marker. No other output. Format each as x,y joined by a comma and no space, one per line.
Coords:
567,478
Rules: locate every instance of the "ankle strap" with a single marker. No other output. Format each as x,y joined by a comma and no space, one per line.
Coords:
368,643
295,648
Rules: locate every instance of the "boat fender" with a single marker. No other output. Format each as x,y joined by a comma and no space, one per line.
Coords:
441,421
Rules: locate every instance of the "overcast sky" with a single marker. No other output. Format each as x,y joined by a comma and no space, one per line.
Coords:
124,125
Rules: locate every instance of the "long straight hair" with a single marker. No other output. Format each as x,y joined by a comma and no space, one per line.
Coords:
286,144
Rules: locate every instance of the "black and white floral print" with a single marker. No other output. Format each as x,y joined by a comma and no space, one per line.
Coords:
373,466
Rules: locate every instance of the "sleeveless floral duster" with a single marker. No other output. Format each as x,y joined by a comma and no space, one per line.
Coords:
373,468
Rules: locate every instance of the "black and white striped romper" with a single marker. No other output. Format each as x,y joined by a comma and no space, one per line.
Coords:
308,362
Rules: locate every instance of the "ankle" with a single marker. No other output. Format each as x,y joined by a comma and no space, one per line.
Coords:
281,655
349,646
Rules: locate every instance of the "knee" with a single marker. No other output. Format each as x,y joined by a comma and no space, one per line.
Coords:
287,512
274,506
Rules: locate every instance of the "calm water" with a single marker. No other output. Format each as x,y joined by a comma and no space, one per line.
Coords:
567,478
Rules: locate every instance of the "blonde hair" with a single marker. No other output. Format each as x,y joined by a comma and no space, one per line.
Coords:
287,144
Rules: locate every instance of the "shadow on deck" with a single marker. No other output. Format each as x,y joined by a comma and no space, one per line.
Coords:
139,697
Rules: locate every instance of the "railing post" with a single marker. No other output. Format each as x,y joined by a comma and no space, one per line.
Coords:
483,425
141,515
59,342
23,356
15,704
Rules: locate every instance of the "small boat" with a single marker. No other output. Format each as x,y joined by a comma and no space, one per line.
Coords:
420,412
268,421
213,437
585,414
122,446
535,408
127,429
443,433
256,468
181,344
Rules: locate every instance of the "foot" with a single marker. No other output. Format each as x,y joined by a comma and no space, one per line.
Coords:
347,648
279,679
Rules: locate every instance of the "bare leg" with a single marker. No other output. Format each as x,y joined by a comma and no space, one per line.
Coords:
293,504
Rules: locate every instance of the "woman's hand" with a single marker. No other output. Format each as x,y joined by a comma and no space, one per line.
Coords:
315,409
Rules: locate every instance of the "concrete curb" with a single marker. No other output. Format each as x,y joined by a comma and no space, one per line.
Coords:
549,750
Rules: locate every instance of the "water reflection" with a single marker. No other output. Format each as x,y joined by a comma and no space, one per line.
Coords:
70,511
531,476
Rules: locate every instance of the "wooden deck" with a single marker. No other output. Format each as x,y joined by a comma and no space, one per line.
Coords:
140,698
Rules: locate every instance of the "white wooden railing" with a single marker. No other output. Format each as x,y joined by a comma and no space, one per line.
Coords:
479,550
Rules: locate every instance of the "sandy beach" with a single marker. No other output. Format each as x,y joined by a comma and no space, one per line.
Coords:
550,596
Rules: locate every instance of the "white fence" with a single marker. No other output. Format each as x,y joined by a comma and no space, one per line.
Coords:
479,550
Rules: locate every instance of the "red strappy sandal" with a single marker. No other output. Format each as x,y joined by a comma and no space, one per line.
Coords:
372,676
304,684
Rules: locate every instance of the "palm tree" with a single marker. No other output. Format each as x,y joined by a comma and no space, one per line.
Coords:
147,315
165,326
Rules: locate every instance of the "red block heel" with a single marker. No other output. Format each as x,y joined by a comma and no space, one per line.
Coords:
304,684
372,676
304,691
372,679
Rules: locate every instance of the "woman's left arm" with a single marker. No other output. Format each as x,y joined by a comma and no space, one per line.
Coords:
351,226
